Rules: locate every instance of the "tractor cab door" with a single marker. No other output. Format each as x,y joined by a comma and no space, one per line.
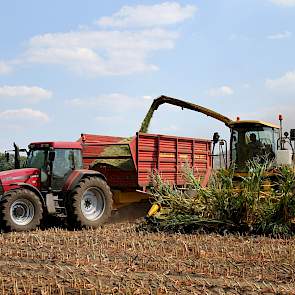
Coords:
37,158
65,161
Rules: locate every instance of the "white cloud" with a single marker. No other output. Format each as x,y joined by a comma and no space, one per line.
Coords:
279,36
172,128
221,91
288,3
5,68
285,84
24,114
114,102
97,53
28,93
147,97
103,52
166,13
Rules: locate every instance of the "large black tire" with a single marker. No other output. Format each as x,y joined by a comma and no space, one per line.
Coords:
90,204
20,210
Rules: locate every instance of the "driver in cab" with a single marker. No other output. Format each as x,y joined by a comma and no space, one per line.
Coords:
254,146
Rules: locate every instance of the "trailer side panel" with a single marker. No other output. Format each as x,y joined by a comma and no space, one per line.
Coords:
169,155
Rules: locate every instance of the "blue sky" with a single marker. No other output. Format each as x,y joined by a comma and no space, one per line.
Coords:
68,67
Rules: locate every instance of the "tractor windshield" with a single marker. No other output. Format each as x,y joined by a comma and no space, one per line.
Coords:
252,142
37,158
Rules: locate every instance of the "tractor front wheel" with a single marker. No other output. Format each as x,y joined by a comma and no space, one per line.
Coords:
90,204
21,210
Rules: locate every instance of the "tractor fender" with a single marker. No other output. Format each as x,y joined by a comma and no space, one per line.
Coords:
30,188
75,177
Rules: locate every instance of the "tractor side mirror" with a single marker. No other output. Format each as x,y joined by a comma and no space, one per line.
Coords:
72,159
51,156
215,137
16,156
292,134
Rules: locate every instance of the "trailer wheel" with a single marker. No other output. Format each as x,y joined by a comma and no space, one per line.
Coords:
90,204
21,210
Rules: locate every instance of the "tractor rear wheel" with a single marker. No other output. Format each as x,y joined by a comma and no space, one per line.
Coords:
21,210
90,204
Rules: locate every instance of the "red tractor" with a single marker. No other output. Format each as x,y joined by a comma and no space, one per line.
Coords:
53,182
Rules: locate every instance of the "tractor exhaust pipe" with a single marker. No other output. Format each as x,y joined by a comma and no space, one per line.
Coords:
16,156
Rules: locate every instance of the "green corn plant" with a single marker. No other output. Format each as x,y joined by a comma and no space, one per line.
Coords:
223,195
279,215
231,203
252,187
286,191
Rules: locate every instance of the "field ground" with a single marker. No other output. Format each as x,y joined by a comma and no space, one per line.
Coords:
118,259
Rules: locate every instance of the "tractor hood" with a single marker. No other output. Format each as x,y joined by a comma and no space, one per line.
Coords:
10,178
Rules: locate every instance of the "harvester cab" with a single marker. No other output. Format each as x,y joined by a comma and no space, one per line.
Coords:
252,139
262,141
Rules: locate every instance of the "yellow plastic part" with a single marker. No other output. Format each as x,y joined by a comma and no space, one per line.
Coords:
122,199
263,123
154,209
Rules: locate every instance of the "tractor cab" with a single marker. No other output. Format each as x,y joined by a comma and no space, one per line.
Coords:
55,160
253,140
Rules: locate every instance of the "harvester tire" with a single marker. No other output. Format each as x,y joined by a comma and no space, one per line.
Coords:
90,204
20,210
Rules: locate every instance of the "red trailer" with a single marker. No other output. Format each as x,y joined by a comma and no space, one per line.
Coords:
128,163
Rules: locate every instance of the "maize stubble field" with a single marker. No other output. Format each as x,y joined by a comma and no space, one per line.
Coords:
119,259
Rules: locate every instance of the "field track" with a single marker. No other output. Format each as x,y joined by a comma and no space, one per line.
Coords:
119,260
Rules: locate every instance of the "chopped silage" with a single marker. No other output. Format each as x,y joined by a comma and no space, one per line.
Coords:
122,150
146,122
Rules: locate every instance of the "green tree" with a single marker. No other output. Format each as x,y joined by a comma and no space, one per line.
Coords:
4,164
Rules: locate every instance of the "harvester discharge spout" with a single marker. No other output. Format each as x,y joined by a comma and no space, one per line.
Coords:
184,105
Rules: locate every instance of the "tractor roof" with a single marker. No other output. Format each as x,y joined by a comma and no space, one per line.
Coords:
253,122
56,144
